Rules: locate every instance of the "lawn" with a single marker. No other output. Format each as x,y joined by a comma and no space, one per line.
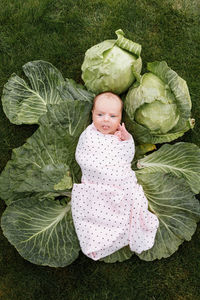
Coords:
60,32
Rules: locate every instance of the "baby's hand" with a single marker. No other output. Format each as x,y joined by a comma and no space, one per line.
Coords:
122,133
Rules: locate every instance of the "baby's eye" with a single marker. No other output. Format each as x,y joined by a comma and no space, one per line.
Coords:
113,116
100,115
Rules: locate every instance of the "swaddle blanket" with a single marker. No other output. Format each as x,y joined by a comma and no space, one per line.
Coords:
109,207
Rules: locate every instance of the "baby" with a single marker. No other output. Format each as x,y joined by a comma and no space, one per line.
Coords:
109,207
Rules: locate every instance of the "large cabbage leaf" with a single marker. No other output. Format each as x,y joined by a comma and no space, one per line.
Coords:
178,211
181,160
69,89
42,232
45,159
24,103
170,177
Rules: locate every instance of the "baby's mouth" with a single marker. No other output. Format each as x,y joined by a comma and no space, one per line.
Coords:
105,127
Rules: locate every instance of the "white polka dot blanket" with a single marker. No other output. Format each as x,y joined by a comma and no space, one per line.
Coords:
109,207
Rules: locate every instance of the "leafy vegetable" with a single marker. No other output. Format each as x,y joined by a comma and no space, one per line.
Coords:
37,180
180,159
69,89
45,159
36,183
158,108
178,211
112,65
42,232
25,104
170,178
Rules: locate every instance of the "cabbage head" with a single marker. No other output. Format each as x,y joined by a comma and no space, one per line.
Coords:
158,107
112,65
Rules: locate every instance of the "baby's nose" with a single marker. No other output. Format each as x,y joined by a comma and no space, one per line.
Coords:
106,117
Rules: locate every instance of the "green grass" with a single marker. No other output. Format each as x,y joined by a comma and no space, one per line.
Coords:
60,32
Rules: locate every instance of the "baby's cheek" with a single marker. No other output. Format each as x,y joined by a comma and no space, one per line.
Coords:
116,122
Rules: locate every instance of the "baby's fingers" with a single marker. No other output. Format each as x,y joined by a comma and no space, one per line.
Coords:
125,133
123,127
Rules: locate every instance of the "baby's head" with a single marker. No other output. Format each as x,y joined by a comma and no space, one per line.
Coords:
107,112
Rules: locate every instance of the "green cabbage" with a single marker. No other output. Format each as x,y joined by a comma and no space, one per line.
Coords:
36,183
158,107
112,65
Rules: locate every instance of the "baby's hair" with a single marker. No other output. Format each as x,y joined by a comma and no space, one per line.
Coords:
108,95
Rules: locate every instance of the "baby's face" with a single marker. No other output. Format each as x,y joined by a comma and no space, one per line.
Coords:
107,114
